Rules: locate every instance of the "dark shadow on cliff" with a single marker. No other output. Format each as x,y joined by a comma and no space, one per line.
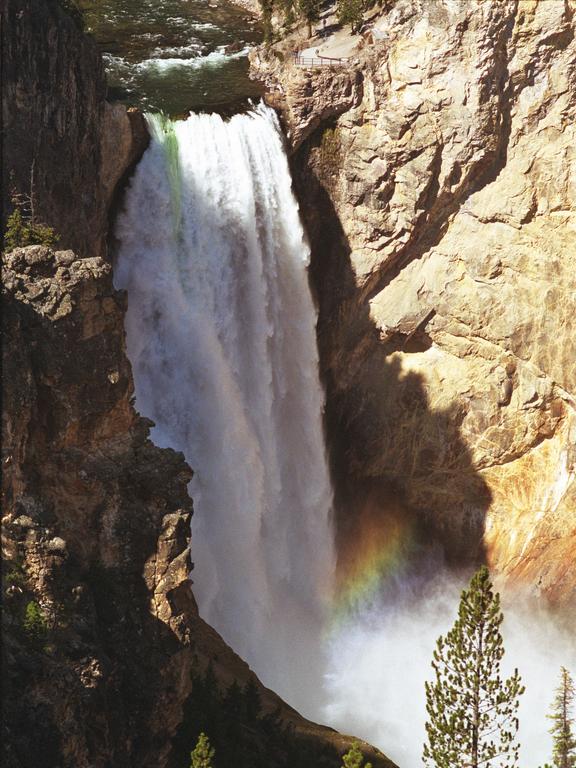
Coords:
242,733
53,90
400,466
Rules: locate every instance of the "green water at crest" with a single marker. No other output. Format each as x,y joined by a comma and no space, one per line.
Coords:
174,55
164,130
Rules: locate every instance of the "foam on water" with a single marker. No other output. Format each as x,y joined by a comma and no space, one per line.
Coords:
213,59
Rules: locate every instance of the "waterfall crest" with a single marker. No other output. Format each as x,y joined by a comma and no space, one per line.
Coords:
221,335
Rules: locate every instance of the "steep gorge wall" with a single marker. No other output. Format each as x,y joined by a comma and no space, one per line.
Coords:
62,143
95,529
437,175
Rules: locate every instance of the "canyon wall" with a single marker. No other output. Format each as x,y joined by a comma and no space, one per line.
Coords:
95,529
252,6
437,176
63,144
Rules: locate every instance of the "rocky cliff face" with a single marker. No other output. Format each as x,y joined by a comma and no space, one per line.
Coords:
252,6
96,528
437,174
63,144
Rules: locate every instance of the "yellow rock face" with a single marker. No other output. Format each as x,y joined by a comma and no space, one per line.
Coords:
447,273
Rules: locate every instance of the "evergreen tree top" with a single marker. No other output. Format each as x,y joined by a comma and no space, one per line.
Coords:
562,730
354,758
473,712
202,754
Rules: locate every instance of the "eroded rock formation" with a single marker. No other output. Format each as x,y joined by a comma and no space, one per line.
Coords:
437,175
252,6
96,526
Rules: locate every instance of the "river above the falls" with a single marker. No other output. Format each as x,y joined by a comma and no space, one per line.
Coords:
177,55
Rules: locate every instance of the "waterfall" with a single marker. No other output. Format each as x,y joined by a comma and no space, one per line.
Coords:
221,335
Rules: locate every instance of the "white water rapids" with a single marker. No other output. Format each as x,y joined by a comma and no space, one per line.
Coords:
221,336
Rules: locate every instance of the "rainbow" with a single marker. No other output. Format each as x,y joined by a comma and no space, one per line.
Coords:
370,555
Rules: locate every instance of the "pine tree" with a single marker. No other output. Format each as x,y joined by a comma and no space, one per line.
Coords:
20,233
472,712
267,8
202,754
22,227
35,624
233,700
253,706
310,11
350,12
289,17
354,758
564,754
17,233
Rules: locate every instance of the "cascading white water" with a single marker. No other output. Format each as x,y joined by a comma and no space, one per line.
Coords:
221,336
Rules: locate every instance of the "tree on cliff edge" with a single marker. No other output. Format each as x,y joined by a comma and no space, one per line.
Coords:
354,758
310,12
202,754
564,755
472,712
350,12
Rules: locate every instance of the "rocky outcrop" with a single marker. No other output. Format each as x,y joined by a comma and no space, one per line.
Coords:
102,638
437,177
63,145
95,528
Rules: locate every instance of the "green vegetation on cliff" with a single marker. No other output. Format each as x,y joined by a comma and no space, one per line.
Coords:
310,12
22,226
202,754
354,758
34,624
242,734
20,233
307,11
350,12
